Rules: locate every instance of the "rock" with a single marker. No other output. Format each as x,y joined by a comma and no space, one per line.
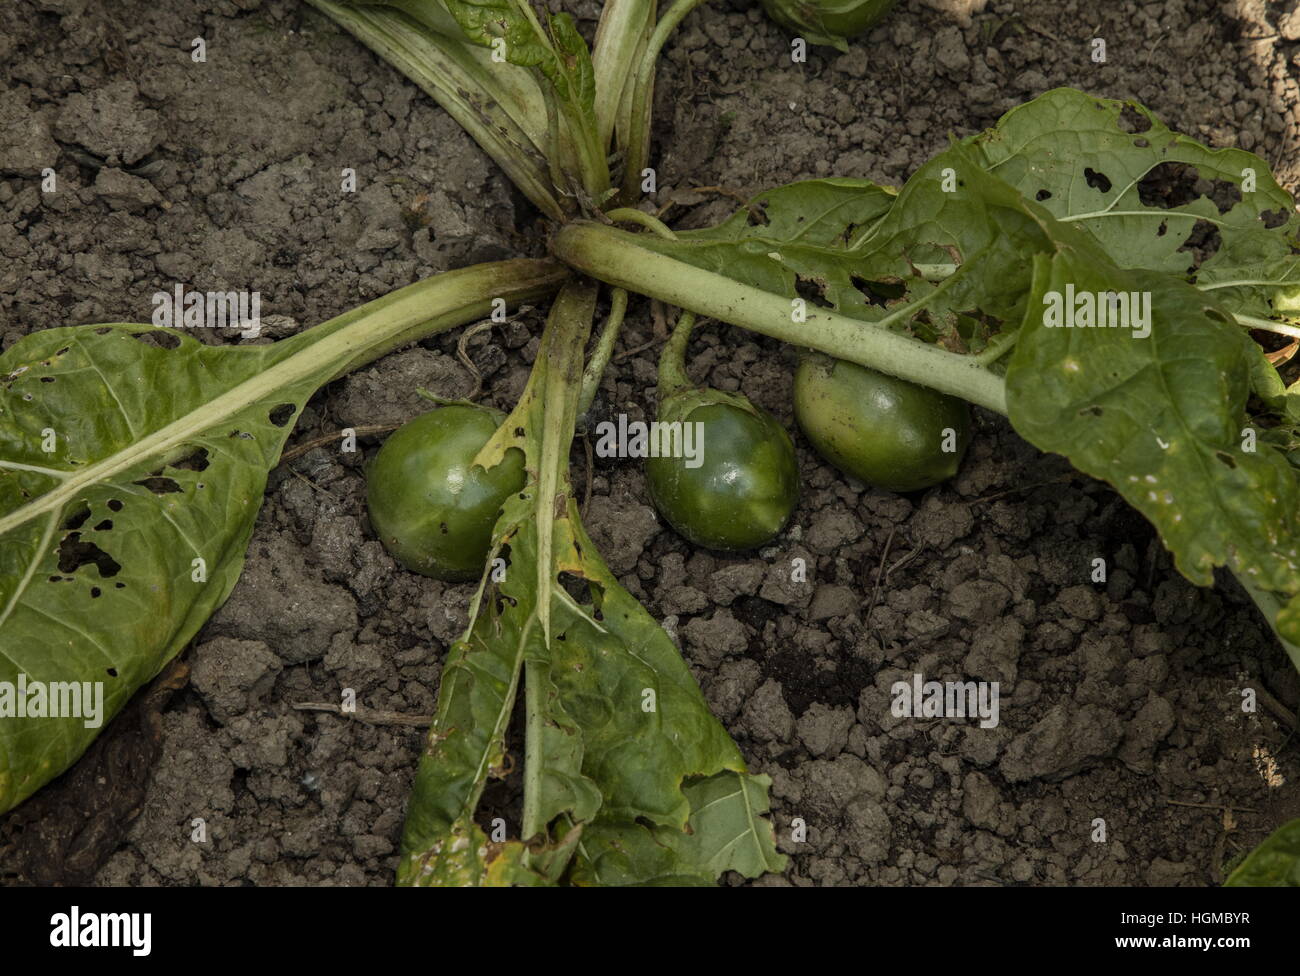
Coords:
978,600
122,191
831,601
110,122
620,528
781,586
1153,722
1062,742
26,148
979,802
950,52
829,785
713,639
730,582
279,601
1080,602
232,676
766,716
735,683
995,652
832,528
823,730
1170,874
867,829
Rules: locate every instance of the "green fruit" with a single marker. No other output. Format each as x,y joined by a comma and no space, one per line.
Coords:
746,484
882,430
432,509
828,22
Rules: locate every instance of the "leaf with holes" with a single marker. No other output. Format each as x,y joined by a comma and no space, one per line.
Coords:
619,741
1153,198
132,465
1158,410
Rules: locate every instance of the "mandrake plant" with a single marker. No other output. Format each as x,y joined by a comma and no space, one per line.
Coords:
133,460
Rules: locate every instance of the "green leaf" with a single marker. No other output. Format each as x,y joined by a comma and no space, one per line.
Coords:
1273,864
1160,418
1144,193
617,731
118,544
726,832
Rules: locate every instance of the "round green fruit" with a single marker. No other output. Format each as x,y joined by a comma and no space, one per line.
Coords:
745,485
882,430
432,509
829,22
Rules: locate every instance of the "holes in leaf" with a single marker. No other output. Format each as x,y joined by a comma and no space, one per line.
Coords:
77,519
1163,229
47,379
812,290
1133,121
159,485
96,592
519,432
112,672
282,414
1092,411
442,527
1203,241
1098,181
114,505
756,214
1141,143
119,586
1273,218
1226,459
75,553
1042,195
104,525
879,293
196,460
1171,184
159,340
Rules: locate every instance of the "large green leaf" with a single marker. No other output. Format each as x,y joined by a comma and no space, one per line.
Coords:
1152,197
117,544
1273,864
617,732
1161,418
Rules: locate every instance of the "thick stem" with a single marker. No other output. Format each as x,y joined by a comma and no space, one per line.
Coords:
616,257
672,361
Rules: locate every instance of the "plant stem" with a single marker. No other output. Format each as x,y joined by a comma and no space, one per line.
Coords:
557,383
1268,325
616,257
327,351
502,108
672,361
604,349
638,136
629,215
